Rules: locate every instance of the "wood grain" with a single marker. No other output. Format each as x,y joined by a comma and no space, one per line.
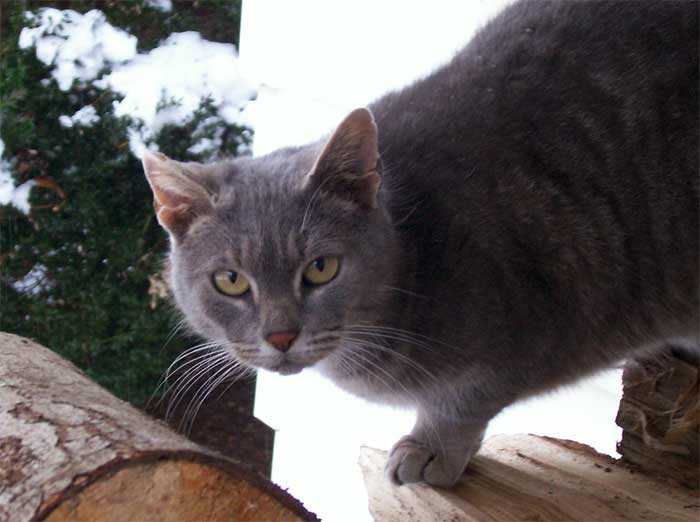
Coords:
659,416
525,477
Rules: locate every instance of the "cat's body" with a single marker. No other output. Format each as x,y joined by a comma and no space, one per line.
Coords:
562,198
537,221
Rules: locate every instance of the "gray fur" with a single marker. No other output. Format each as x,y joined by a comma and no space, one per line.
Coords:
537,221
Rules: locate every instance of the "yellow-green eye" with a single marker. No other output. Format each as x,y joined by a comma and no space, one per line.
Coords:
230,282
321,270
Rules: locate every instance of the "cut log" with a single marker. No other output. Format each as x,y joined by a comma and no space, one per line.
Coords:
71,451
659,416
525,477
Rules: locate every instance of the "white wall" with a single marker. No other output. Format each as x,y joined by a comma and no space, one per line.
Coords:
316,60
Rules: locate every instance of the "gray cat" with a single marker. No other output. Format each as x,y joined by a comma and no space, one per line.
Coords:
523,216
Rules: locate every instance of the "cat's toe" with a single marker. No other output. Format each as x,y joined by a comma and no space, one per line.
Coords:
441,472
410,460
407,460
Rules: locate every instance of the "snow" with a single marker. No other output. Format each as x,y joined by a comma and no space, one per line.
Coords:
85,117
18,197
6,183
185,68
164,86
34,282
162,5
77,46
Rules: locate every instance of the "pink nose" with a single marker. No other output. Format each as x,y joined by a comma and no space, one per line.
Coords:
282,340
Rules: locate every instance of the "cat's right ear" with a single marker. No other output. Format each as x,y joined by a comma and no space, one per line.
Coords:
348,167
181,191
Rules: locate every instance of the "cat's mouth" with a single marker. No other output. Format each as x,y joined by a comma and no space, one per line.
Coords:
288,363
285,365
293,364
288,368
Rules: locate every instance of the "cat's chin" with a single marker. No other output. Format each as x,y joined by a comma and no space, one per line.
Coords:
287,368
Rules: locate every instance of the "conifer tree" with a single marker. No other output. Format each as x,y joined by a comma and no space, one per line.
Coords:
75,272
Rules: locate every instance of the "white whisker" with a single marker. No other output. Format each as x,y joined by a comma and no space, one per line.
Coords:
192,375
402,357
163,381
408,336
407,292
201,395
237,373
411,395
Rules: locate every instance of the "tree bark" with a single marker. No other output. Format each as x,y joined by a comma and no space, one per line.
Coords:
659,416
71,451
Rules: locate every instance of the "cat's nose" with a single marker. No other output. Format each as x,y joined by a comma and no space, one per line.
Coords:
282,340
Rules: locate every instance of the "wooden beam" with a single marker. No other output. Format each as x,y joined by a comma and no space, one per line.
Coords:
71,451
525,477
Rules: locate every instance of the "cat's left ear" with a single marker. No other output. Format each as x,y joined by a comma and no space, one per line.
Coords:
181,191
349,166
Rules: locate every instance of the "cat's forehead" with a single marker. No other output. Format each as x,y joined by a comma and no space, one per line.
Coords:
264,216
264,239
250,185
257,201
283,165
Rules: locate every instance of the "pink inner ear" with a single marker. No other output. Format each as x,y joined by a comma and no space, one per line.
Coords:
347,165
168,197
353,146
174,220
358,133
176,191
368,196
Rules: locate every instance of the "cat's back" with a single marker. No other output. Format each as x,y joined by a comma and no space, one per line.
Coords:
556,157
539,60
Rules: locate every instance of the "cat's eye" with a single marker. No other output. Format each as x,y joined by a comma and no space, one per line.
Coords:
230,283
321,270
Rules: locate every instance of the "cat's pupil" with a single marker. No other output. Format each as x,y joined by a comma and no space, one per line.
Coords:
232,276
319,264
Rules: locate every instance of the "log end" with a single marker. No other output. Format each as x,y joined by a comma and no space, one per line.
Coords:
170,490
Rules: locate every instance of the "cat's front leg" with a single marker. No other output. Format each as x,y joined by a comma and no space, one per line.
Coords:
436,451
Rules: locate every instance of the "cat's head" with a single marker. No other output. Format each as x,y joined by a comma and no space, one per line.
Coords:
274,257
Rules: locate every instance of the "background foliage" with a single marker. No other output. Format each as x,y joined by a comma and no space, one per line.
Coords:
91,223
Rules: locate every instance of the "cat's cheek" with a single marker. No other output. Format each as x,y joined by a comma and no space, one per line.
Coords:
238,318
215,317
326,307
182,297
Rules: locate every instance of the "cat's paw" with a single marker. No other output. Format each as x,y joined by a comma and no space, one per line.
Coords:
411,460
